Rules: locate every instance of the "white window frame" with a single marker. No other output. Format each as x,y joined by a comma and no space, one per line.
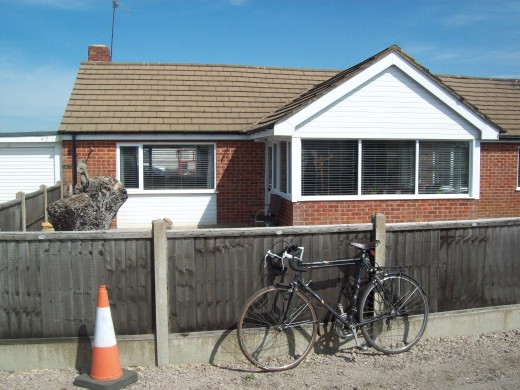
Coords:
274,167
473,182
518,170
140,166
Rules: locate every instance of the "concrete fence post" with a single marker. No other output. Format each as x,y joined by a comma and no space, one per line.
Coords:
160,264
23,211
379,233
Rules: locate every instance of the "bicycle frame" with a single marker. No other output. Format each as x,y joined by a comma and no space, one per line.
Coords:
351,312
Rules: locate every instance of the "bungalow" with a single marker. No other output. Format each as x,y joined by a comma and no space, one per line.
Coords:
210,144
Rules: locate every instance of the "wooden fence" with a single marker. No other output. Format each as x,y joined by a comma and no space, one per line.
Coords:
28,211
49,280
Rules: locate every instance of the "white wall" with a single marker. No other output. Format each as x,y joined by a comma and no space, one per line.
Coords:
388,106
183,209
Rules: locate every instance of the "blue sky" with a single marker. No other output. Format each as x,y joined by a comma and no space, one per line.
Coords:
42,42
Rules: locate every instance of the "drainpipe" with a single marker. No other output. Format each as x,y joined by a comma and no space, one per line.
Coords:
74,161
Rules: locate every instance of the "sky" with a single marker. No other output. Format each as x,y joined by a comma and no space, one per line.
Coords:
42,42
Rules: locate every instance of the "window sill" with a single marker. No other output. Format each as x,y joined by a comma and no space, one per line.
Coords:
384,197
170,192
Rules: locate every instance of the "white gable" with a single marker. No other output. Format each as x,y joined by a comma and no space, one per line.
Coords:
389,100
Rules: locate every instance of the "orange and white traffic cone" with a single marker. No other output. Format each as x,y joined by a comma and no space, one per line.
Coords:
105,368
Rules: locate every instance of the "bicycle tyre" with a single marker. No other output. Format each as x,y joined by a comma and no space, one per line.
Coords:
394,331
269,343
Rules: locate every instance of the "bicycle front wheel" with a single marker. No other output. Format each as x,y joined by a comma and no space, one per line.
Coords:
274,333
395,313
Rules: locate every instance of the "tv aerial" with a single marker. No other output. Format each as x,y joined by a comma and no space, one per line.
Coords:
115,4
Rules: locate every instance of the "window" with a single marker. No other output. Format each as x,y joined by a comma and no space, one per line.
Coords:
129,166
370,167
443,168
278,166
167,167
329,167
388,167
518,173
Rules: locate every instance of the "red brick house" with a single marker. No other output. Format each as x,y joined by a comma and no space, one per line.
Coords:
207,144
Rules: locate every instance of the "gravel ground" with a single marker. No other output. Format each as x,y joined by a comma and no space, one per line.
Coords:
489,361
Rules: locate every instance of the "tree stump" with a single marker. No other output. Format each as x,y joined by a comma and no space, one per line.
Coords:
92,207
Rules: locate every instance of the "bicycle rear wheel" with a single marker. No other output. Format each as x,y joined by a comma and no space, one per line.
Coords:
397,313
272,336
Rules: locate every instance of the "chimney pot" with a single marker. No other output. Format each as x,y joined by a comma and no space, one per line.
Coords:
99,53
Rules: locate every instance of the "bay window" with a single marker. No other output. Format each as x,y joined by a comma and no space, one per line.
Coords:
167,167
379,167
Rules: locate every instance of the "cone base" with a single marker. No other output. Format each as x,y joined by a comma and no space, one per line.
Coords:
84,380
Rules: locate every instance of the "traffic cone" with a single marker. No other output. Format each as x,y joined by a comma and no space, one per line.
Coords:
105,369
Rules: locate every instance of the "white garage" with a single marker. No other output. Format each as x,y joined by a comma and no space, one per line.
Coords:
27,161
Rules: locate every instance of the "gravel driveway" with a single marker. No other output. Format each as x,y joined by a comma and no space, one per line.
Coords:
489,361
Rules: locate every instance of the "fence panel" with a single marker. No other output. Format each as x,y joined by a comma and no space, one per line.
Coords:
35,211
210,277
35,205
460,267
52,282
11,216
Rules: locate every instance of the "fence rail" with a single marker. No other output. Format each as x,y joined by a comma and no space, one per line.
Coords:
50,279
28,211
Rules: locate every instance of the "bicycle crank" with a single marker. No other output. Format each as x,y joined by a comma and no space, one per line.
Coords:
342,330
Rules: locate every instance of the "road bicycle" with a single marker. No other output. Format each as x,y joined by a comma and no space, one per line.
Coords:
277,327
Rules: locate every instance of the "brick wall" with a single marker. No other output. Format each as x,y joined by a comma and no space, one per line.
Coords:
101,162
498,181
240,180
498,198
240,186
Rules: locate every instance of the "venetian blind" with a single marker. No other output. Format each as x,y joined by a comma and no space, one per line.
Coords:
128,166
329,167
443,167
388,167
178,167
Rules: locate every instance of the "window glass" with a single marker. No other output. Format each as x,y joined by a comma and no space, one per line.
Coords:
518,175
168,167
129,171
283,166
329,167
388,167
443,167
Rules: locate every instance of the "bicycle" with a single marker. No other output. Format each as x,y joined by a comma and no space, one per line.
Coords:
278,325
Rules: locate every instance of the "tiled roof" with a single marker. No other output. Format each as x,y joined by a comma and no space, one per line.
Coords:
131,97
185,98
499,99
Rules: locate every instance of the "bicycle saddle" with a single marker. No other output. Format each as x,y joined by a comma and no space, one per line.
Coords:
367,246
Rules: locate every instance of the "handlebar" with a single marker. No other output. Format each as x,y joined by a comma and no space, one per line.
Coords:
293,253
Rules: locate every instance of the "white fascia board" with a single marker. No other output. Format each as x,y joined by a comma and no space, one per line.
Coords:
156,137
30,139
262,135
488,131
288,126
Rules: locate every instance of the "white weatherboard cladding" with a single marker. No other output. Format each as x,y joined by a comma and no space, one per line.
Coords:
26,169
187,209
390,105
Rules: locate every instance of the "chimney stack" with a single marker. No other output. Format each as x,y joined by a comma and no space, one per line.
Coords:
99,53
